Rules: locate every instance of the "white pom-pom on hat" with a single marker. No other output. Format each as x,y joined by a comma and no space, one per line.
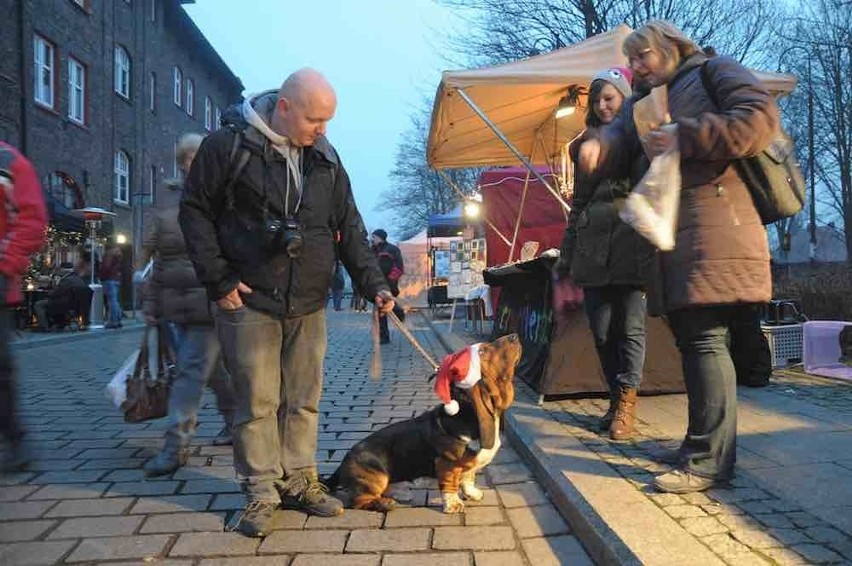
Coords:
462,369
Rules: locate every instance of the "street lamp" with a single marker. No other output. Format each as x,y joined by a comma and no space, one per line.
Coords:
93,217
811,162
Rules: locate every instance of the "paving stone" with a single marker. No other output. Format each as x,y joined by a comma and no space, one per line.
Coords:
776,521
132,475
76,476
142,488
555,551
331,560
304,541
522,494
421,517
17,531
351,519
703,526
88,527
69,491
539,521
399,540
145,547
214,544
825,534
183,523
172,504
843,547
817,553
756,538
789,537
473,538
228,502
507,473
732,551
784,556
430,559
25,553
210,486
685,511
484,516
803,519
756,507
664,499
277,560
90,507
17,510
16,492
504,558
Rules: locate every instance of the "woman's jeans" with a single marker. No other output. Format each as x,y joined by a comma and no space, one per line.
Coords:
198,363
617,319
710,447
111,290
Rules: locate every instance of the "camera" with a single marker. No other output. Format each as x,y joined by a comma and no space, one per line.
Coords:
286,234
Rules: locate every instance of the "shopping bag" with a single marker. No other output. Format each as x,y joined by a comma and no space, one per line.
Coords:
116,389
147,396
652,207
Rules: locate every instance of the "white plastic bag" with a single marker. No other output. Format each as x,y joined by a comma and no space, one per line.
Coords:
116,389
652,207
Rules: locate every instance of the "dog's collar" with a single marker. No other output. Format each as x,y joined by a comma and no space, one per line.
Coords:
465,439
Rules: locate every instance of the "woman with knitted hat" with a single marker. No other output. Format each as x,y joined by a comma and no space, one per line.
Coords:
609,260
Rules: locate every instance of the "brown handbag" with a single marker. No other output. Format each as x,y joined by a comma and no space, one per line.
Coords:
147,397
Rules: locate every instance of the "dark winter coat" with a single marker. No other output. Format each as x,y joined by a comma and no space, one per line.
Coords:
391,264
227,245
721,253
600,249
173,293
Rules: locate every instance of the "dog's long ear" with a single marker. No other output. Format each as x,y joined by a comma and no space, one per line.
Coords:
486,413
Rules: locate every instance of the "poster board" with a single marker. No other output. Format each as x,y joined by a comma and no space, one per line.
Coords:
466,263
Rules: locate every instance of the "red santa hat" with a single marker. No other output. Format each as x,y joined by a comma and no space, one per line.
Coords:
462,369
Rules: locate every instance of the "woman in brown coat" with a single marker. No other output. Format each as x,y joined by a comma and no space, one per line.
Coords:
720,264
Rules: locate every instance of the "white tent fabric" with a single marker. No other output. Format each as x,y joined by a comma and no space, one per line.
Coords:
520,98
415,255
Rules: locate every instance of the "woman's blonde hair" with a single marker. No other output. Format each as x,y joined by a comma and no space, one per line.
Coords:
661,36
188,143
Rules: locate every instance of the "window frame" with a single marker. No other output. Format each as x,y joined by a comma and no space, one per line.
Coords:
118,174
39,66
208,114
177,90
190,97
83,88
121,71
218,119
152,92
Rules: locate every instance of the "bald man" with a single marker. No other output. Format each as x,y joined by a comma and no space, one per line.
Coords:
264,201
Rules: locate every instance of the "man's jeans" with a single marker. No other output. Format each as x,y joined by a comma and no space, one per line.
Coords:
710,446
276,365
617,319
111,290
198,363
9,426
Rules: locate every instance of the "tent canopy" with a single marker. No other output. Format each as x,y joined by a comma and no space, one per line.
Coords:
520,98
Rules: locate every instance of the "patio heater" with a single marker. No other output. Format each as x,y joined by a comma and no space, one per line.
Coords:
93,217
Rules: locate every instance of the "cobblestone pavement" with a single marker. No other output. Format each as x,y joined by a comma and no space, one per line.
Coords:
791,502
85,500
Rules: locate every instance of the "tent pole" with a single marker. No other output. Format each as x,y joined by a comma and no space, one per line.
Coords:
520,215
502,137
459,192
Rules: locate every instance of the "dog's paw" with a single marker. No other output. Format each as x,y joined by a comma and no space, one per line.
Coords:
452,503
471,492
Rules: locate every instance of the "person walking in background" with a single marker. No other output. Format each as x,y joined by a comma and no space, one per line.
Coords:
110,276
23,218
610,261
338,284
175,298
390,262
720,263
267,258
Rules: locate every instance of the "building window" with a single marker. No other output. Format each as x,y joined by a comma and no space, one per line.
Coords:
122,177
152,92
218,119
190,97
45,65
152,184
208,114
76,91
122,72
178,94
153,14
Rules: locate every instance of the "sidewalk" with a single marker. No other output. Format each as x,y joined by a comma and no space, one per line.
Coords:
26,339
790,503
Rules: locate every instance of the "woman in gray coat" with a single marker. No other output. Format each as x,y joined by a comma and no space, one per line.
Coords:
720,264
174,297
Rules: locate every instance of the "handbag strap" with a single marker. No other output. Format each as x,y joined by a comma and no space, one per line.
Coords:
141,366
165,354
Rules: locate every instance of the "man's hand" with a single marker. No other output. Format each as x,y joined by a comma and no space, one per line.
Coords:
661,140
384,302
589,155
232,301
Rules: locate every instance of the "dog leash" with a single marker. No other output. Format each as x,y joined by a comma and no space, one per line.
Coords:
410,337
375,366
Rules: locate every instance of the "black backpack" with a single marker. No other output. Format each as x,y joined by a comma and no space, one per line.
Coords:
773,176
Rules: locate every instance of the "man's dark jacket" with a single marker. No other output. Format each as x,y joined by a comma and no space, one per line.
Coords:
389,256
225,242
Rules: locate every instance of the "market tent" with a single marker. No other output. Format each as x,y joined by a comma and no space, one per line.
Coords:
415,255
446,225
520,97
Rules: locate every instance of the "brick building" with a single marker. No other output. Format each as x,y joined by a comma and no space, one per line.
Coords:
96,93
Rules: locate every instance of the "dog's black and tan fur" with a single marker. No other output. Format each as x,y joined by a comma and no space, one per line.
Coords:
435,444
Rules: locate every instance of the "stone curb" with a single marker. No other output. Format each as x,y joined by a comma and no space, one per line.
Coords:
602,544
63,337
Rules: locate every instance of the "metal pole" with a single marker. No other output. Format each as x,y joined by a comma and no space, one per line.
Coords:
461,194
502,137
812,224
520,216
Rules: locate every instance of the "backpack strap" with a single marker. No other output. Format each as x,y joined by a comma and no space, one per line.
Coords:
237,160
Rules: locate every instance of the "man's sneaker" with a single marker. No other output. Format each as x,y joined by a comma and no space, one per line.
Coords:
164,463
304,491
681,481
16,459
254,520
224,438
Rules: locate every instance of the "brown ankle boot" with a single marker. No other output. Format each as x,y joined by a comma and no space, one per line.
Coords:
623,424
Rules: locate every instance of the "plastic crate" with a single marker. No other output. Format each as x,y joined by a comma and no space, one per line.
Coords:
785,344
821,349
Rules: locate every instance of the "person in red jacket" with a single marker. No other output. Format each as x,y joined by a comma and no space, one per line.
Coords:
22,221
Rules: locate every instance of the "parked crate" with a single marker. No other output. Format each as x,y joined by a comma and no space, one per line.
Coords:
821,348
785,344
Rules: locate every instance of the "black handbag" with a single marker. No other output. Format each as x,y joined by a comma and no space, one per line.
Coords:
147,397
772,176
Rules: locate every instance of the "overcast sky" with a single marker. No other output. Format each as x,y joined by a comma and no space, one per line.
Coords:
382,56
